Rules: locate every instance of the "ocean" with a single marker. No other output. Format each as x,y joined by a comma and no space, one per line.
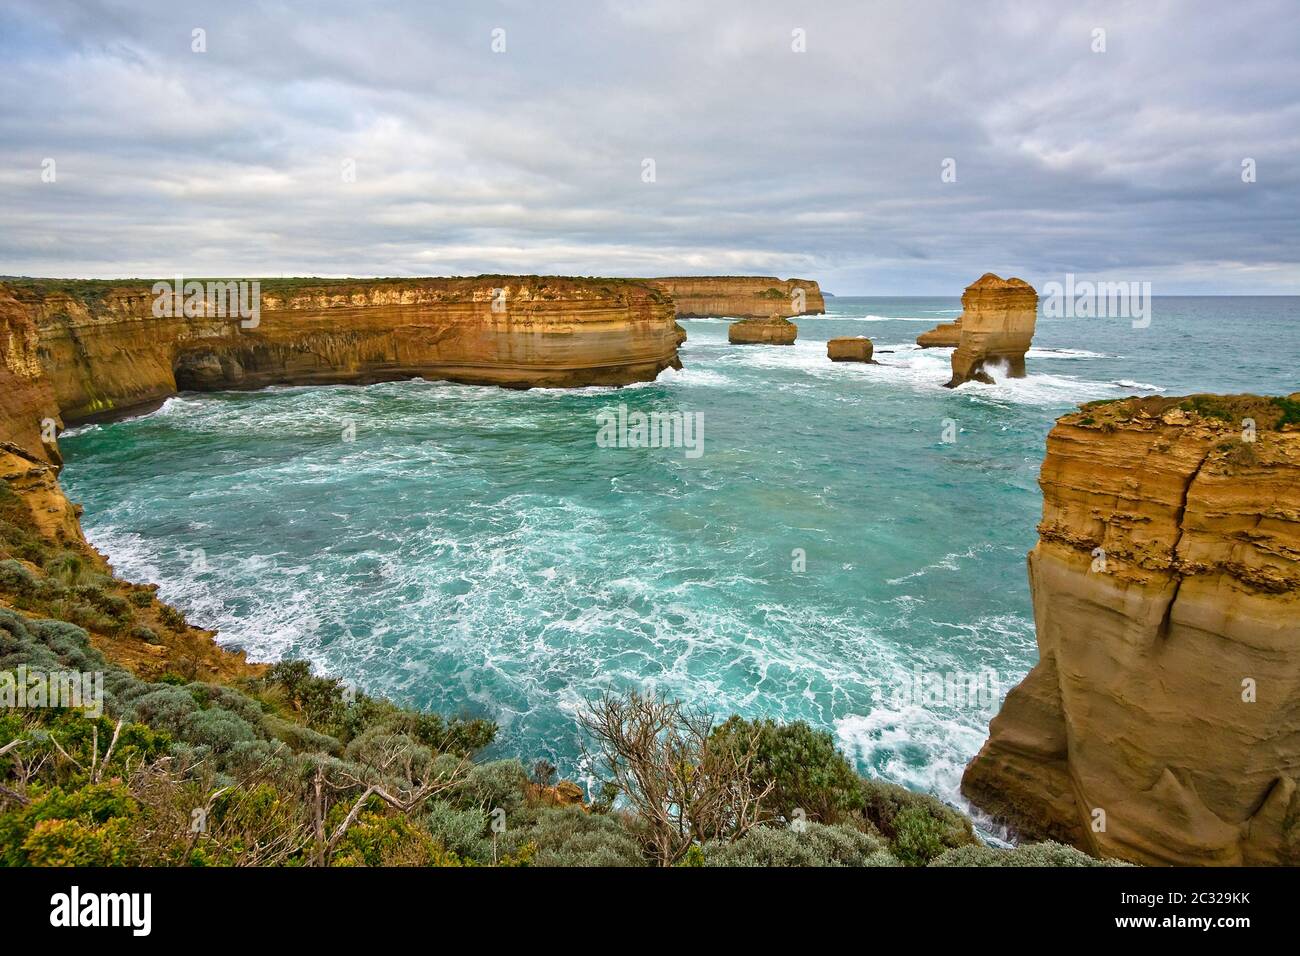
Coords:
847,548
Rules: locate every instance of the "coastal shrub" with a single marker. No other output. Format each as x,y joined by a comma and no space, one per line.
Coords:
109,604
918,836
1290,407
379,749
15,578
459,831
498,784
219,729
815,845
1033,854
569,836
806,770
883,809
144,633
389,839
67,568
164,707
301,739
679,784
172,619
82,827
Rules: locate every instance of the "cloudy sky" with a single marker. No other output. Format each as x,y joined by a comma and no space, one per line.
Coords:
825,163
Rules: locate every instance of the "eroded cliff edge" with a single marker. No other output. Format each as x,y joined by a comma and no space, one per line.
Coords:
103,349
741,297
1162,722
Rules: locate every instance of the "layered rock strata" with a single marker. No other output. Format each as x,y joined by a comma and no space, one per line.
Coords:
1162,722
772,331
945,335
104,350
996,327
741,297
857,349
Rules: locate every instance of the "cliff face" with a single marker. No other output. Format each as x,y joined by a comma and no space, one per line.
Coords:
741,297
1162,722
106,353
26,398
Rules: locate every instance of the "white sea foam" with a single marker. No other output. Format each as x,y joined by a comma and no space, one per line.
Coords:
1046,353
79,430
924,748
1140,386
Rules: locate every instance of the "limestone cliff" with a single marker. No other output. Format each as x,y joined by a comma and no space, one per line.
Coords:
1162,722
741,297
996,326
27,404
104,351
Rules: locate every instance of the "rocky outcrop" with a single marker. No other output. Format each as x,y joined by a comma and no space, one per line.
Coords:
945,335
741,297
104,351
1162,722
772,331
996,326
857,349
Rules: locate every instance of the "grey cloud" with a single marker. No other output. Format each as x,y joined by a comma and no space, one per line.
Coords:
824,164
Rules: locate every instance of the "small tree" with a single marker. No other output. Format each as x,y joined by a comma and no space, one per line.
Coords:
682,788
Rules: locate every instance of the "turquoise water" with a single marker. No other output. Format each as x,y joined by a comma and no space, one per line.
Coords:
472,550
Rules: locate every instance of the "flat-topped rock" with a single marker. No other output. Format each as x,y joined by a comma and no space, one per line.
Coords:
945,335
771,331
850,349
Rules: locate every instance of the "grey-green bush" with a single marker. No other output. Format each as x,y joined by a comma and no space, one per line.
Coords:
816,845
1031,854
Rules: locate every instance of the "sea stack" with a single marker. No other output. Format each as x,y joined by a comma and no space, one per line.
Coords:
996,326
850,349
770,331
1161,724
